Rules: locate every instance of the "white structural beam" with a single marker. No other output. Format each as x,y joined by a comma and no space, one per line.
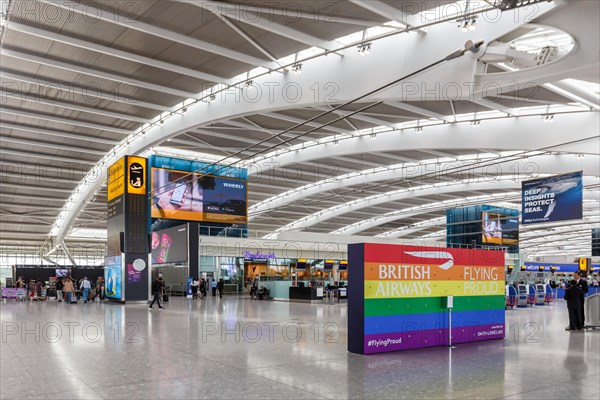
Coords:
503,183
441,221
440,206
249,39
71,106
35,143
346,72
504,134
298,14
94,72
361,117
87,92
50,132
67,121
418,110
573,92
574,19
295,120
257,21
162,33
492,105
52,157
112,51
42,188
385,10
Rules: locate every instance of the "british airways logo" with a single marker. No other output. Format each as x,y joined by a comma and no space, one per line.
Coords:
438,255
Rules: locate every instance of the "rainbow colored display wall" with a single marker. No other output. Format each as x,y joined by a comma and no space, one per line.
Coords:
397,296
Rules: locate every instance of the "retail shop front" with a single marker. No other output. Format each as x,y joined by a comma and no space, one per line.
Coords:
289,270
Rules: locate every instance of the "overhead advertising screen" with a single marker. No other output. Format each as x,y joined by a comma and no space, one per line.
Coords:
195,197
557,198
499,229
170,245
400,296
113,276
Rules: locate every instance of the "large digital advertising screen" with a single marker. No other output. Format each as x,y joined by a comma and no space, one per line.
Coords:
170,245
113,277
401,295
556,198
195,197
499,229
596,242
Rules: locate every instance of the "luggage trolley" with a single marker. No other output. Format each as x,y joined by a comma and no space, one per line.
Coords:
540,294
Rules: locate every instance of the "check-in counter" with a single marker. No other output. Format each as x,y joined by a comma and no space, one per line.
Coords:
306,294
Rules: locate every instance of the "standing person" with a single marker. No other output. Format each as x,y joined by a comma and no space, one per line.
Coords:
157,286
69,289
220,287
254,287
574,297
583,286
99,290
195,284
20,283
59,289
38,288
202,288
85,287
213,285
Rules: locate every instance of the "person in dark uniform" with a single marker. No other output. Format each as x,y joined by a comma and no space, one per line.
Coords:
156,292
220,286
583,286
574,297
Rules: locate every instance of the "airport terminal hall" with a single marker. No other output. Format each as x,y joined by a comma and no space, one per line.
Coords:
299,199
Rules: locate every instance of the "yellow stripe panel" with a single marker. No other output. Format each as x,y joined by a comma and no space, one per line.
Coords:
399,289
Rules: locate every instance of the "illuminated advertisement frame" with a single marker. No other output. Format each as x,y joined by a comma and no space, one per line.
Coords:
184,198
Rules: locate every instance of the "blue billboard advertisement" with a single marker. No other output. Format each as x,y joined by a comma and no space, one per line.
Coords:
113,277
556,198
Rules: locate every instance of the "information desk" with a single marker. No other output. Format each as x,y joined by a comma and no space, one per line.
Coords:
305,293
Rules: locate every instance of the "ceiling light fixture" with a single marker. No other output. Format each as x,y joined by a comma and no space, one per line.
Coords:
475,123
548,117
297,68
364,49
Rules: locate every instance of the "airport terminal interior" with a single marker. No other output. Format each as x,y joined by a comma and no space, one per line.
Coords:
300,199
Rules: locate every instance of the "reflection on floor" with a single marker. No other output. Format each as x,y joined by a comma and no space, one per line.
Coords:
237,348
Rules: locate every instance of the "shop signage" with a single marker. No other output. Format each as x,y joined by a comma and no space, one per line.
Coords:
258,256
399,293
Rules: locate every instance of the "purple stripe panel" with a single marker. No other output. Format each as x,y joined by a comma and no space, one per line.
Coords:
394,341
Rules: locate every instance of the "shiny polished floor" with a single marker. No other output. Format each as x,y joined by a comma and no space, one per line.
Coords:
236,348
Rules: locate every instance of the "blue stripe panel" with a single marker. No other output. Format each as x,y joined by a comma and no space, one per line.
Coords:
423,322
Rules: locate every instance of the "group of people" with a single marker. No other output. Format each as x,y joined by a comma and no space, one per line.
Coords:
575,298
200,287
67,289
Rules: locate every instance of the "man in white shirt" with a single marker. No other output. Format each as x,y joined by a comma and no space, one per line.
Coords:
85,288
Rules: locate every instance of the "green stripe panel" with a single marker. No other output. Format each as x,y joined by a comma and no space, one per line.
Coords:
382,307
